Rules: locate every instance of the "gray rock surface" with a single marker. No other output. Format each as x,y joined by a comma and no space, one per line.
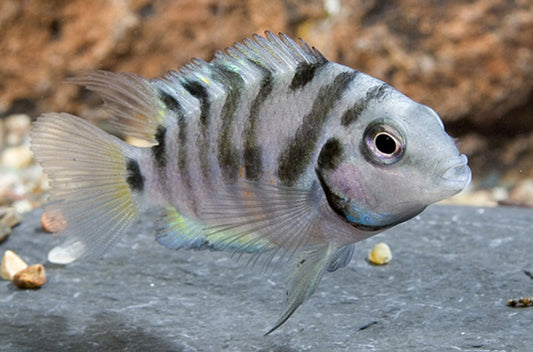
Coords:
446,288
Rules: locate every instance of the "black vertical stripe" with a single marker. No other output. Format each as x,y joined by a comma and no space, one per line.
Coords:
296,156
183,153
353,113
227,155
305,72
134,178
330,155
377,92
183,159
170,102
199,91
159,150
252,150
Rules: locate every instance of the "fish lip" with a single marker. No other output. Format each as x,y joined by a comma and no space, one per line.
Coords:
455,173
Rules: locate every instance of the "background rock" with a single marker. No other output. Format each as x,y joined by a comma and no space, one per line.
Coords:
471,61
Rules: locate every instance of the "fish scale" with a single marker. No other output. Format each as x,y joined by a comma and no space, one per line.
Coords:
270,150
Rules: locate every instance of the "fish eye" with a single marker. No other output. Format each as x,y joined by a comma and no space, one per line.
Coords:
383,144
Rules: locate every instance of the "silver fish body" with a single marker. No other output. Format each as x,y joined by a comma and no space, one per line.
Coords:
269,149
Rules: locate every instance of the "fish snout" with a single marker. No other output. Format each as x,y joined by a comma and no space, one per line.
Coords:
455,173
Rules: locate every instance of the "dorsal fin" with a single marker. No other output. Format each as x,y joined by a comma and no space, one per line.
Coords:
130,99
139,105
274,53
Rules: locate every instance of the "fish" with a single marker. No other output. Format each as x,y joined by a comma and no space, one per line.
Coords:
269,151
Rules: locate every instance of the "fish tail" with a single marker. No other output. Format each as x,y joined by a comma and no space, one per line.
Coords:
309,267
96,183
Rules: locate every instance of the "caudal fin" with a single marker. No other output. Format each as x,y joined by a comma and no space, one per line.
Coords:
95,182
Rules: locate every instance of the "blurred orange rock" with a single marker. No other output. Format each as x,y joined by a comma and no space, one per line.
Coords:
522,194
53,221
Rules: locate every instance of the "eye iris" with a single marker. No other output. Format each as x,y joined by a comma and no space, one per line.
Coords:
385,143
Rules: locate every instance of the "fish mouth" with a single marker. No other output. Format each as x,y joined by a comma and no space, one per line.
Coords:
456,174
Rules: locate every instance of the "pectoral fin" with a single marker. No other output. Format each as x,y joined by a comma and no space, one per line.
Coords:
309,266
341,258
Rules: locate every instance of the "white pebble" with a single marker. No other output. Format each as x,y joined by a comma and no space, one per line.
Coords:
17,127
16,157
11,264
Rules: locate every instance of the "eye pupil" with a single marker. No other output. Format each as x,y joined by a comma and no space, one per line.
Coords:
385,143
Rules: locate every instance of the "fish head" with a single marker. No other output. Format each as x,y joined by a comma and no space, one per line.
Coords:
390,164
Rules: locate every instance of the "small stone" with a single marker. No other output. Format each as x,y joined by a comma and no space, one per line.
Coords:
521,302
5,231
481,198
17,126
2,131
32,277
16,157
9,216
380,255
11,264
522,193
138,142
53,221
23,206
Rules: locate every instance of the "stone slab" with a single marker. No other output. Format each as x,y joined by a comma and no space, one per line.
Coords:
446,288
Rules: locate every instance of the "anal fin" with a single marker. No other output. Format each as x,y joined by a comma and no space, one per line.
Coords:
179,232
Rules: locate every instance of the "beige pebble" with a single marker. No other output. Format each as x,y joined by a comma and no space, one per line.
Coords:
2,131
23,206
138,142
5,231
481,198
16,157
32,277
17,122
9,216
522,193
16,127
11,264
380,255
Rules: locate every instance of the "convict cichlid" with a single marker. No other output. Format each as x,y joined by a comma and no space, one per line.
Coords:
269,149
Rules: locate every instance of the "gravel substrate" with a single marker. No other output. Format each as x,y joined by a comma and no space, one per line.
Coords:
447,287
